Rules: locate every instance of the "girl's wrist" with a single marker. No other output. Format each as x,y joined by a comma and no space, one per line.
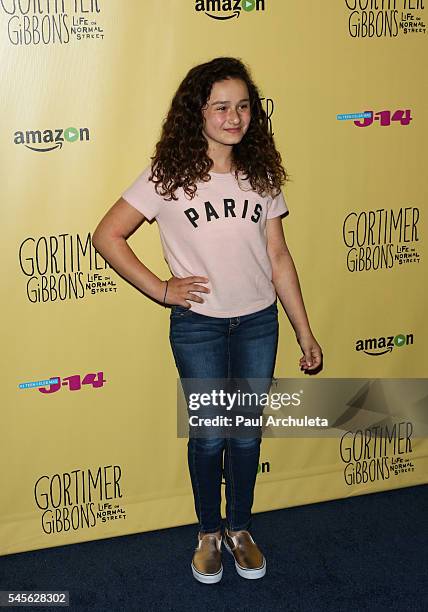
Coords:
165,283
158,292
306,333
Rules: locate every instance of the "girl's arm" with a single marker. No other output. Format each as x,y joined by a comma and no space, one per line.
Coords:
109,239
286,282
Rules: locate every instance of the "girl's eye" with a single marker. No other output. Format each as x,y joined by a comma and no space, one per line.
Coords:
241,107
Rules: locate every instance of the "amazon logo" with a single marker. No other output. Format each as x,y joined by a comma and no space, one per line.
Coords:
44,141
383,345
262,468
232,8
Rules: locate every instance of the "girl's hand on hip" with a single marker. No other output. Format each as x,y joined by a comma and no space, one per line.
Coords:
181,291
312,354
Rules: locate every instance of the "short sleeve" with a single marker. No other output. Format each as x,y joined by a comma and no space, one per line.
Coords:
277,206
141,194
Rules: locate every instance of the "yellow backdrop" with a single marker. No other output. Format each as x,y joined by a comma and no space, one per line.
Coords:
89,447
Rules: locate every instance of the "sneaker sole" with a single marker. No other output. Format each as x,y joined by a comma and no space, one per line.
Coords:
207,578
259,572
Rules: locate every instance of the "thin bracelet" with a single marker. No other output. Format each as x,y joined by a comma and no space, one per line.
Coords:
164,297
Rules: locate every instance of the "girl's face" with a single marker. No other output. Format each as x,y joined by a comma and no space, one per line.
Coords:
226,115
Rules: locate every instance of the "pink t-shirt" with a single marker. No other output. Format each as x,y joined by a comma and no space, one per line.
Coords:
220,234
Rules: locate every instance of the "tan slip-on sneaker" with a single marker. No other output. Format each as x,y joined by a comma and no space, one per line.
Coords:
249,561
206,562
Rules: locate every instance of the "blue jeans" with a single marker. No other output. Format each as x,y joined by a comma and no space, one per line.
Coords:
213,347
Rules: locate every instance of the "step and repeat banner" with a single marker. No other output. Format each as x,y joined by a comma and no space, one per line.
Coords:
89,444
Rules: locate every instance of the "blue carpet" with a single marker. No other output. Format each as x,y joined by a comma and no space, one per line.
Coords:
362,553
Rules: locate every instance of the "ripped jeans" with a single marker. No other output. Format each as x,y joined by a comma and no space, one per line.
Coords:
214,347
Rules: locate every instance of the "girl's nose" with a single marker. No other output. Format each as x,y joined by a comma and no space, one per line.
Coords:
233,116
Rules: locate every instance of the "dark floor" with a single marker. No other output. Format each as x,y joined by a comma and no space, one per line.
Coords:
362,553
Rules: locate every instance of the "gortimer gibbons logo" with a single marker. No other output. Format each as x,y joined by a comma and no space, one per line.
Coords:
79,499
59,268
383,345
384,18
381,238
232,8
50,22
369,455
44,141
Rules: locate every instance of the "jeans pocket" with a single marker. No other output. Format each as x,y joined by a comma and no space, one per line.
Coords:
180,311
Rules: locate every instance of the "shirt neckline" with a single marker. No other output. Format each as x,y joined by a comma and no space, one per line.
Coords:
222,174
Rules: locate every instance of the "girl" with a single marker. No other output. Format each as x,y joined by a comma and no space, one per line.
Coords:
214,188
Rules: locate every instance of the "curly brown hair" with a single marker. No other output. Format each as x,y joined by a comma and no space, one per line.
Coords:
181,158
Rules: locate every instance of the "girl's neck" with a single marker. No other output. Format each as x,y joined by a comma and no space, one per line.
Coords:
221,170
223,166
222,159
